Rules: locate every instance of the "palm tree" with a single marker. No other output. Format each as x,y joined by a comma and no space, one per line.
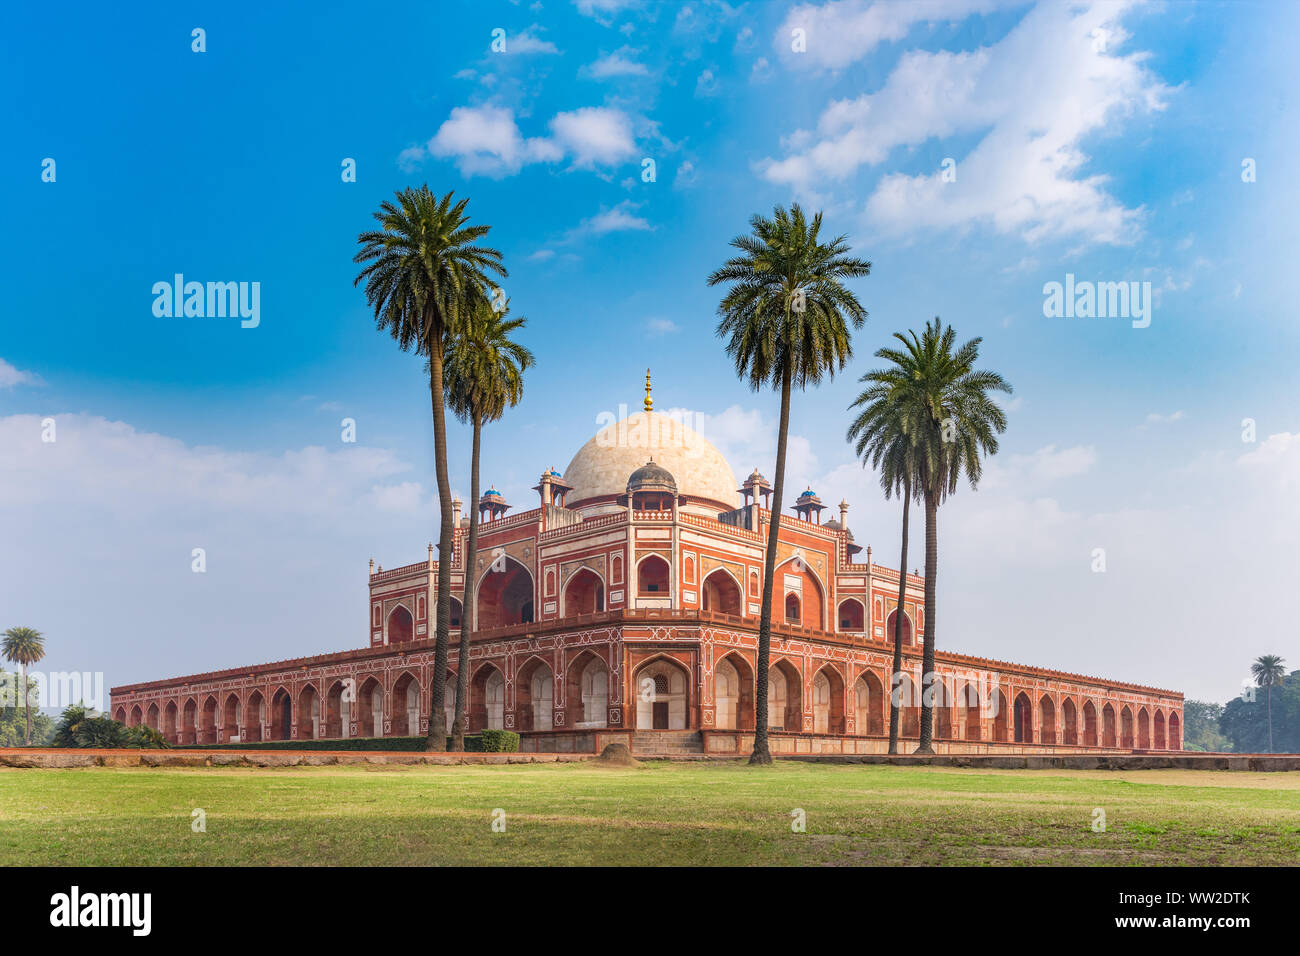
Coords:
1267,671
787,321
883,441
483,377
944,405
423,268
25,646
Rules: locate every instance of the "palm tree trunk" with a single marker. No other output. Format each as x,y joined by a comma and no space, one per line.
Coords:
927,656
437,718
467,603
894,681
1270,718
762,754
26,706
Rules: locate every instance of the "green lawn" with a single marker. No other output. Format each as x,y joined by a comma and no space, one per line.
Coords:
657,813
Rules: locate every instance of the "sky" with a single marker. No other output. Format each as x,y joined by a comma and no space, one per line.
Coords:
975,151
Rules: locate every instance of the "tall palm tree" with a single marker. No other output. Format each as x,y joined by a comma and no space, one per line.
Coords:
787,320
25,646
883,441
1268,672
483,376
944,404
423,268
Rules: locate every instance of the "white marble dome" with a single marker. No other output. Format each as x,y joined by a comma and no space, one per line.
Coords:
603,464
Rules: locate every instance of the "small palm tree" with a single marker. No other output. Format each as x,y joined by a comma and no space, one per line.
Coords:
787,320
943,404
25,646
1268,672
483,377
423,269
883,441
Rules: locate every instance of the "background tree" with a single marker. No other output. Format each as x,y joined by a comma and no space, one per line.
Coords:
884,442
787,321
13,724
1201,727
423,268
1245,720
1268,672
484,376
944,403
24,646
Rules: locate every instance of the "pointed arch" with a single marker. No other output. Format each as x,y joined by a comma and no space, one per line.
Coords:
1070,718
1090,737
254,717
869,704
339,703
371,707
1143,729
1159,722
852,615
908,698
969,712
310,724
583,593
136,717
505,593
189,721
721,593
828,701
1175,731
662,689
169,720
586,693
208,720
406,704
487,698
1109,737
811,593
733,693
784,696
1001,715
281,714
399,626
232,717
1047,720
1126,739
908,637
653,576
534,695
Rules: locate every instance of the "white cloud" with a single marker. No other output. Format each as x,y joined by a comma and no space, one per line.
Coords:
619,63
486,140
529,43
706,84
11,376
541,255
845,31
1155,418
662,326
1023,176
620,218
685,174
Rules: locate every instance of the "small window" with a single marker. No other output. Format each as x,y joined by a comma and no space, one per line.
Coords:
661,684
792,609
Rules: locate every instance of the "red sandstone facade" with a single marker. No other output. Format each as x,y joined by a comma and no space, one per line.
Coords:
625,609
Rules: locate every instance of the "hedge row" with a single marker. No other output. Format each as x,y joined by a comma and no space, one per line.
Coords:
486,741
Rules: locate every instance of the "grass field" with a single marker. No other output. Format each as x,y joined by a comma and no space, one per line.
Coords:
656,813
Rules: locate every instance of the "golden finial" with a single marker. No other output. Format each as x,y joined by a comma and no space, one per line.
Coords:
649,402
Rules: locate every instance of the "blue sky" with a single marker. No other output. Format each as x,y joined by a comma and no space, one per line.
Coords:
1101,140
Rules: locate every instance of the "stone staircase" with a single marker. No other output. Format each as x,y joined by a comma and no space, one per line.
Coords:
667,743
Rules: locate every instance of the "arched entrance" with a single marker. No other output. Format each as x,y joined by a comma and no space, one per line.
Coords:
136,717
487,699
401,626
208,721
1143,730
652,577
1126,728
1089,724
721,593
1175,733
370,708
733,694
151,716
869,704
1024,719
230,726
828,702
968,714
584,593
998,702
309,718
189,722
255,717
1070,714
505,594
784,697
338,710
661,695
281,715
852,616
534,696
587,691
406,705
169,722
1046,721
907,697
1108,736
906,636
1161,741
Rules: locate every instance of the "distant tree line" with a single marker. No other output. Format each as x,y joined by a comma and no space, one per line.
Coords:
1264,718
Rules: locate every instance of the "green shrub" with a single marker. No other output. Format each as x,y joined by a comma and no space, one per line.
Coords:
497,741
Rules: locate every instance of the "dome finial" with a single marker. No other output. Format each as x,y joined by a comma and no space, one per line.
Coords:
649,402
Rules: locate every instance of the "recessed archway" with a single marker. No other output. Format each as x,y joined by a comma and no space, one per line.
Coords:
1126,728
869,704
1143,729
907,697
406,705
1070,715
852,615
828,701
370,708
652,576
1161,740
662,695
400,628
587,691
1175,732
136,717
281,715
208,721
968,714
733,694
505,595
784,697
338,710
534,696
309,716
1109,738
584,593
720,593
169,722
1090,738
255,717
1046,721
190,722
232,714
151,716
1024,719
998,702
487,699
906,636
